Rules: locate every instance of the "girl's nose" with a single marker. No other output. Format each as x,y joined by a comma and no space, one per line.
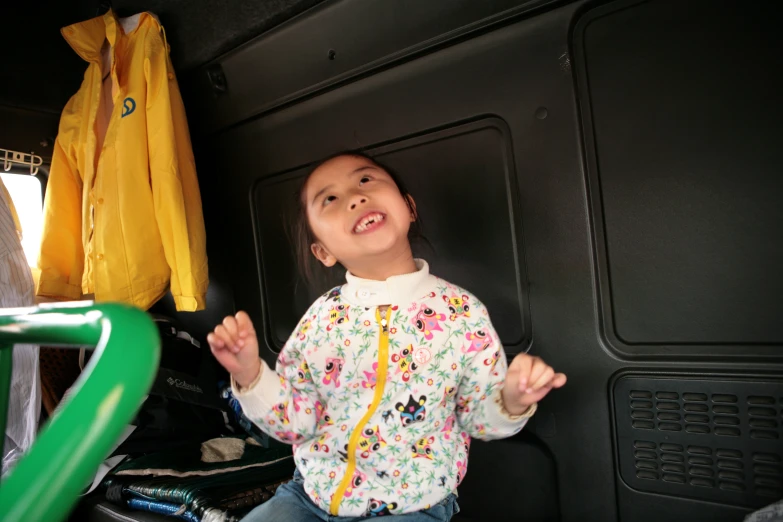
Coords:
356,201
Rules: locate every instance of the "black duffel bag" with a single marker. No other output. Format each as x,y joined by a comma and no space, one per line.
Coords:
183,406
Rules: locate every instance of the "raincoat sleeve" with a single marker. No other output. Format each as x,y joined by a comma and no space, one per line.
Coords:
175,190
61,258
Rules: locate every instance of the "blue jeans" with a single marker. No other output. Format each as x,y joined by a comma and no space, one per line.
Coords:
291,504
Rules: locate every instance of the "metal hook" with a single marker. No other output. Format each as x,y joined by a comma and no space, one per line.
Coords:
35,162
21,158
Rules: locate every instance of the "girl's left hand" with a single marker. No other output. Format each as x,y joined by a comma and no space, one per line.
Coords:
528,380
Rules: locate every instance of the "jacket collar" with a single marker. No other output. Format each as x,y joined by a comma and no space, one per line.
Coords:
400,289
86,38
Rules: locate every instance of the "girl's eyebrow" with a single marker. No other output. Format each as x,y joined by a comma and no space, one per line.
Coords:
363,168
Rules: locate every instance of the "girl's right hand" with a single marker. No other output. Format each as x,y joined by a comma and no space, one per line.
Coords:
235,345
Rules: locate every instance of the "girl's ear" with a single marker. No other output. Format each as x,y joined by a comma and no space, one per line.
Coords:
323,255
414,212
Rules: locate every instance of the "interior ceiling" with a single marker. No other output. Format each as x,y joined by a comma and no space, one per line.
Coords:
200,31
41,72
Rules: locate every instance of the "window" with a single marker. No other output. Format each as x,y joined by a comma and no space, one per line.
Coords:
25,191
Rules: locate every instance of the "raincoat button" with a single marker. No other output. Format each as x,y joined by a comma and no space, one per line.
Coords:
100,201
171,76
99,257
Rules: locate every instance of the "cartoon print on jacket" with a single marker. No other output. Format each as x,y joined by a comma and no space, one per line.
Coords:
288,436
405,364
492,360
333,294
320,444
479,340
448,427
370,442
303,374
371,377
377,508
334,365
462,469
423,448
323,418
428,321
465,442
458,305
463,404
337,315
412,412
281,411
448,393
304,327
357,480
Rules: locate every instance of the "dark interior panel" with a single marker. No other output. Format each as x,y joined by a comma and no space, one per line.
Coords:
40,70
468,169
513,494
686,177
681,124
333,44
27,131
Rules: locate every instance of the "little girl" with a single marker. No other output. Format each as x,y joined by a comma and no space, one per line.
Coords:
388,377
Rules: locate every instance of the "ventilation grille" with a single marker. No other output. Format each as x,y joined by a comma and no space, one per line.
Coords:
720,414
703,467
712,440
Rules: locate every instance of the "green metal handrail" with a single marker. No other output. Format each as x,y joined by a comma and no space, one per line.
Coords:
46,483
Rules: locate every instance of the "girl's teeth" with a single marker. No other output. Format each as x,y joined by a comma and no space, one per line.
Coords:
361,227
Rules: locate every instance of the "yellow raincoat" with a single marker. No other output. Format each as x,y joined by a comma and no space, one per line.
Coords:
124,222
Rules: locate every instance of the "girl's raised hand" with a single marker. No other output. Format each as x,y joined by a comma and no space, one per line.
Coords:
528,380
235,345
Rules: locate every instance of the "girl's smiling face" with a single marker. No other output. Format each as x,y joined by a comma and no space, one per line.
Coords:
356,212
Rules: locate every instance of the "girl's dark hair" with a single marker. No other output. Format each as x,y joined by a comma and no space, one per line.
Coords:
317,276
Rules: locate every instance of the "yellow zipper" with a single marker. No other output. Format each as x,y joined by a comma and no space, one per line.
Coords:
380,382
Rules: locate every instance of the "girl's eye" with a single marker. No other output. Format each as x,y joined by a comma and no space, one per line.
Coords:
329,199
364,180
